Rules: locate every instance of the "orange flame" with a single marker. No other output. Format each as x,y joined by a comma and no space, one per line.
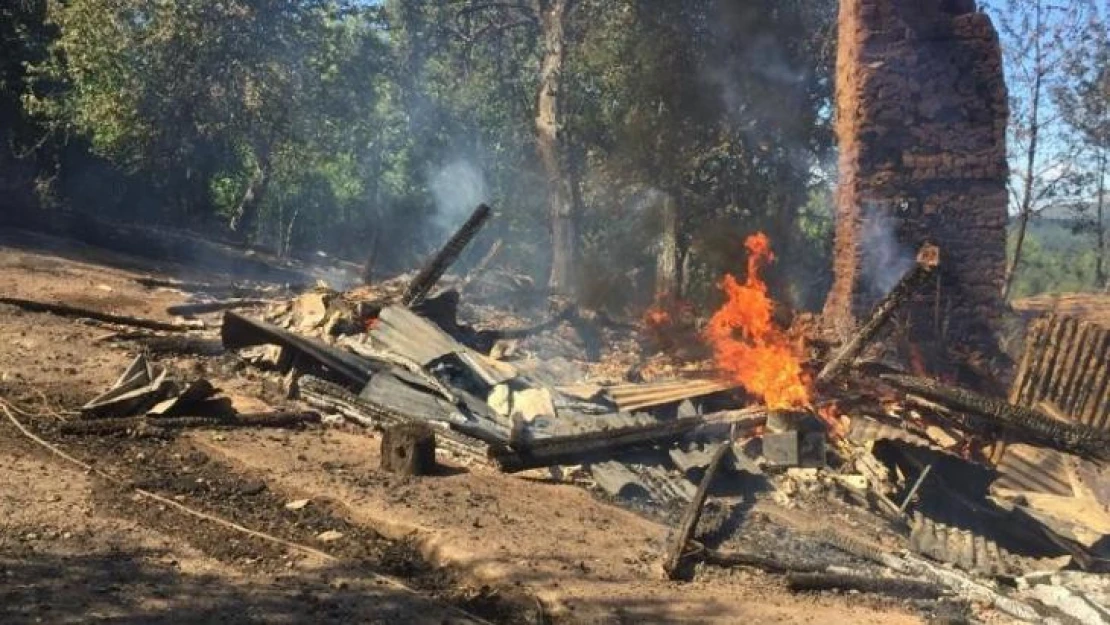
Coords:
747,346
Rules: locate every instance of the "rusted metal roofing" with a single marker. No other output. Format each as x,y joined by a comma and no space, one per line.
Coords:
1025,468
1064,371
968,550
1066,364
640,396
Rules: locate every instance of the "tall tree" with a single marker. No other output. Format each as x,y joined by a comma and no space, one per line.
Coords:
187,90
551,142
1084,101
24,37
1037,36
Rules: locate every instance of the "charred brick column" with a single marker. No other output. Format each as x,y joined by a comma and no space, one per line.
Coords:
921,123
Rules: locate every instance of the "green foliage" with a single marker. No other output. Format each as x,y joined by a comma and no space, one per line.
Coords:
1054,260
333,120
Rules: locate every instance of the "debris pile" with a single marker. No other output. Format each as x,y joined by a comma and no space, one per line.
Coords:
926,490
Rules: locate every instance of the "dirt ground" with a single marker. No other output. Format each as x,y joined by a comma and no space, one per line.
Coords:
468,544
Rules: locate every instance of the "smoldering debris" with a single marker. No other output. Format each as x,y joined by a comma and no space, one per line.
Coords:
928,491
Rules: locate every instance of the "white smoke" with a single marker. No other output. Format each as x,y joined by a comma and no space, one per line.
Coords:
458,187
885,258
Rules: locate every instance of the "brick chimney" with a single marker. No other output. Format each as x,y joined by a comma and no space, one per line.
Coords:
921,123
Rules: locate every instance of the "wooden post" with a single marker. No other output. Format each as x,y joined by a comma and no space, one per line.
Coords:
409,449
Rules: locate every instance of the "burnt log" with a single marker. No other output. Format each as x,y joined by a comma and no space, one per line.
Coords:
63,310
171,344
1021,422
915,278
436,266
162,425
894,586
672,562
187,310
409,449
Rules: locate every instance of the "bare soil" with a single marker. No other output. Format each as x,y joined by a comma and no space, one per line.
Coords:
509,549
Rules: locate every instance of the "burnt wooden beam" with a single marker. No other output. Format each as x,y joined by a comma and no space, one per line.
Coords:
334,399
672,562
238,331
923,269
1022,422
895,586
125,425
186,310
579,448
63,310
437,265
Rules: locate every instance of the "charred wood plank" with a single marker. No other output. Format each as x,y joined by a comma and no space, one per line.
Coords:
915,278
63,310
672,562
436,266
127,425
186,310
1022,422
171,344
579,448
238,331
332,398
895,586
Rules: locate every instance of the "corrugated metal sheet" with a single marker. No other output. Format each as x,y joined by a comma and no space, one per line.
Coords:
1067,364
864,429
1065,367
407,334
640,396
965,549
402,332
1025,468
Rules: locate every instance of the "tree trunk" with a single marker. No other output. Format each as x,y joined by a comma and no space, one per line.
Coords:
245,219
551,145
668,281
1100,227
1030,160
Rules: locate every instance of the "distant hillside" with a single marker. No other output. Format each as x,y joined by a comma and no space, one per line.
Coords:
1055,259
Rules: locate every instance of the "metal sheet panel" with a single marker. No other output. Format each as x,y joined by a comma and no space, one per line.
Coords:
1065,371
640,396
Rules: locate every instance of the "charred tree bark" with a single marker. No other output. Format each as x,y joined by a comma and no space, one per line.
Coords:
562,188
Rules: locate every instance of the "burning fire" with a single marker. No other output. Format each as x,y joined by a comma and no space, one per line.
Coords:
747,346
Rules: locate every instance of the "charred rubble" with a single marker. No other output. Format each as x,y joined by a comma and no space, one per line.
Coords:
941,493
